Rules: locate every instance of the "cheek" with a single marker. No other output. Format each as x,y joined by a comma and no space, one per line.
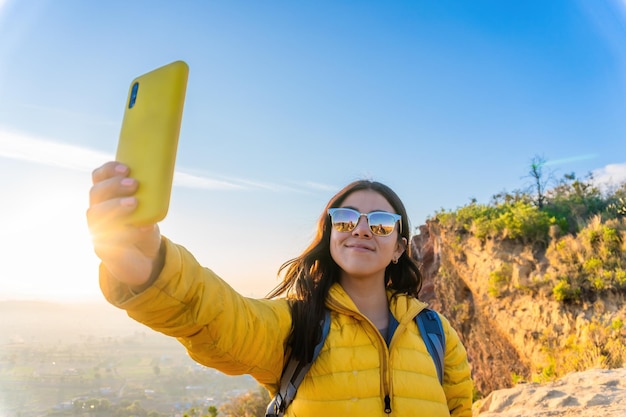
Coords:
391,247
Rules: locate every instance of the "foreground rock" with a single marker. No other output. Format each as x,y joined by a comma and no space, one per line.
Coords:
592,393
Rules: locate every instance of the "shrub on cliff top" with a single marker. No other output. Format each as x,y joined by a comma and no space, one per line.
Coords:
583,230
518,220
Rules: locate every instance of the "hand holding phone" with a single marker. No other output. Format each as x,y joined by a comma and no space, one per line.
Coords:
148,139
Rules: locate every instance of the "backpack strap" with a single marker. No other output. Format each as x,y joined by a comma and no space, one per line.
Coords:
429,324
292,376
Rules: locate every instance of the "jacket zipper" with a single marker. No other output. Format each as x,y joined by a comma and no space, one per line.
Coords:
385,377
384,358
387,404
385,374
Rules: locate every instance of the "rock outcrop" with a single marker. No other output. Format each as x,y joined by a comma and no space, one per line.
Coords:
591,393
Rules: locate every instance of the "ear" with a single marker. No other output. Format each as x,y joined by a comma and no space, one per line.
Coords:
401,246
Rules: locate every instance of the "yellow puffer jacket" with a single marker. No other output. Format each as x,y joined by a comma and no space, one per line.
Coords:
355,371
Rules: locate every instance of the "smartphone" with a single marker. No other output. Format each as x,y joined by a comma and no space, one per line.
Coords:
148,139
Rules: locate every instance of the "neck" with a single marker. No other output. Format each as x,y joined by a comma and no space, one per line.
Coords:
370,299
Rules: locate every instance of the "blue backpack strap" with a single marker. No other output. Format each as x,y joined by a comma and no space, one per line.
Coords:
292,376
430,327
325,330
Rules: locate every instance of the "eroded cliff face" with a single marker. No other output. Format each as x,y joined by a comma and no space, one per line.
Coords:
513,328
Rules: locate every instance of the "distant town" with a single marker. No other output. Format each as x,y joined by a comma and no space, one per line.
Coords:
90,372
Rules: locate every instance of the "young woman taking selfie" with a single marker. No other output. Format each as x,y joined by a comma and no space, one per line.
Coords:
373,361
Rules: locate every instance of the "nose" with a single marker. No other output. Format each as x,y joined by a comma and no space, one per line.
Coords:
362,227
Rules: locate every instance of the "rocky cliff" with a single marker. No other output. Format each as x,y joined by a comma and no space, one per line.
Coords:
495,293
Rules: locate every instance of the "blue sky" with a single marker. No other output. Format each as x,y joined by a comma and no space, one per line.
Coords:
444,101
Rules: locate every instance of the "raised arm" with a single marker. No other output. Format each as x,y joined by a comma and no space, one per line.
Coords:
161,285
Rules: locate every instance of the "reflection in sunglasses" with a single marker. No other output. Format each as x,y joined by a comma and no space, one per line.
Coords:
380,229
345,220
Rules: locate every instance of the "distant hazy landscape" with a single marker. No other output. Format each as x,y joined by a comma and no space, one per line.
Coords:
58,359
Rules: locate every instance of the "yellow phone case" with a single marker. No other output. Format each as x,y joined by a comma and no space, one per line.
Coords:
149,137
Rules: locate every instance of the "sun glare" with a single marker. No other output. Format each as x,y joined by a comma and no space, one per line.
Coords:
47,240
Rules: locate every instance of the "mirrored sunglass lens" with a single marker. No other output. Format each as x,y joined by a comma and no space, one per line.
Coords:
381,223
345,220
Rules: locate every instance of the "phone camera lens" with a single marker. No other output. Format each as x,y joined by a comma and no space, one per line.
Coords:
133,95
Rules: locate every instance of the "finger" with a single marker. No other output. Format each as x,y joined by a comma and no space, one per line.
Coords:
112,188
110,215
108,170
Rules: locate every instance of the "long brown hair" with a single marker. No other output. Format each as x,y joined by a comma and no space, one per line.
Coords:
308,278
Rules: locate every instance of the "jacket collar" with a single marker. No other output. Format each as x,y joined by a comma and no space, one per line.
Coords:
404,308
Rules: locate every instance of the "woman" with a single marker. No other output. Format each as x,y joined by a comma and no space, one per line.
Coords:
373,361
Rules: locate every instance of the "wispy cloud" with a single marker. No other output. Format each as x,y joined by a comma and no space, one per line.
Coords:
570,159
27,148
23,147
612,174
183,179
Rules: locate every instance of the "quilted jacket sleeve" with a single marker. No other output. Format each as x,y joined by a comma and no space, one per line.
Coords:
219,327
457,381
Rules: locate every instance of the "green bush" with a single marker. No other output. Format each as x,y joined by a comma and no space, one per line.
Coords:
498,279
519,220
575,200
620,278
526,222
563,291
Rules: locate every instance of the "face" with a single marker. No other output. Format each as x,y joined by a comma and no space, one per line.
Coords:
361,254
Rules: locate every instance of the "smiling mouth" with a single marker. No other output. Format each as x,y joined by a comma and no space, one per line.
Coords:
359,247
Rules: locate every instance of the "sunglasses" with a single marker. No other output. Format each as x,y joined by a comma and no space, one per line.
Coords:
381,223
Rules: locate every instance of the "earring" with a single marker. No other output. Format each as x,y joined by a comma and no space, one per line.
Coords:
394,260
